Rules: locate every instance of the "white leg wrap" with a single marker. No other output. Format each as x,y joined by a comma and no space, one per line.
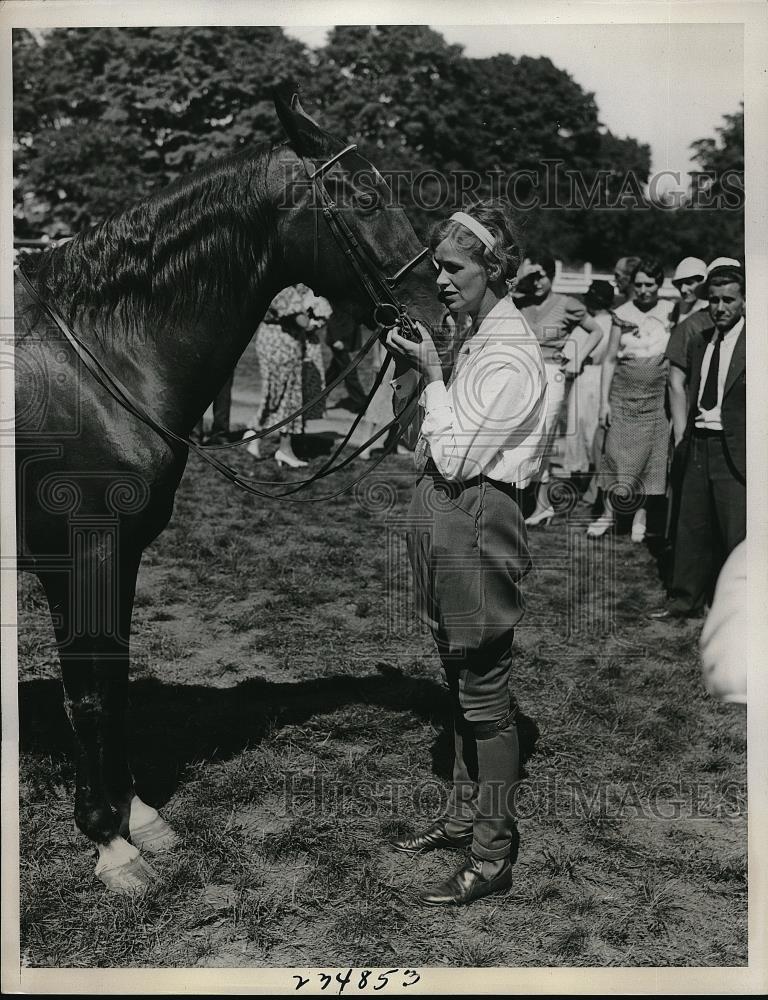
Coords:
141,813
123,870
148,829
116,854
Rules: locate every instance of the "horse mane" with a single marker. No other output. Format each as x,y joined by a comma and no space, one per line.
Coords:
176,253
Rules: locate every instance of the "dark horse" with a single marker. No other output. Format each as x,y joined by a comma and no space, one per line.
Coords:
167,296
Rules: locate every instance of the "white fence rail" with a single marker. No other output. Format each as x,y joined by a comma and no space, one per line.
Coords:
577,282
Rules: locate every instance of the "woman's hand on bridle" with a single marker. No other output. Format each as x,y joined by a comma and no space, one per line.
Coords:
422,357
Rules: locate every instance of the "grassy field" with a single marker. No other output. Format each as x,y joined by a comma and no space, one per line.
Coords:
287,715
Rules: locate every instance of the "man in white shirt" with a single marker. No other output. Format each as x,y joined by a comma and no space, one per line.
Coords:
713,502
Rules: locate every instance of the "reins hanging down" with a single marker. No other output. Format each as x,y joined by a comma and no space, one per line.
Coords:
113,385
387,312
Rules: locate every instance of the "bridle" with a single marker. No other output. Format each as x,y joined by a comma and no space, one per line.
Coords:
388,311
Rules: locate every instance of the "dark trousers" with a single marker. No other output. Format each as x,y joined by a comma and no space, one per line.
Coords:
711,522
486,767
340,360
221,407
675,490
469,551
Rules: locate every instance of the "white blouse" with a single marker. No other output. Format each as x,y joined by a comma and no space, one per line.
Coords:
490,418
651,333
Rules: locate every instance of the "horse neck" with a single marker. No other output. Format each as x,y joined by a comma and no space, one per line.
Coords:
176,356
177,366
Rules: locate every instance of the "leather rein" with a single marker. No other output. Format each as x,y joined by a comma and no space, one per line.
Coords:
388,311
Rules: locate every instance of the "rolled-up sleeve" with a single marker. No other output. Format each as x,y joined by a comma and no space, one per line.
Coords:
493,405
404,388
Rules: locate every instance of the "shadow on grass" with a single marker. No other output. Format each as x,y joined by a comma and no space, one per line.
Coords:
172,726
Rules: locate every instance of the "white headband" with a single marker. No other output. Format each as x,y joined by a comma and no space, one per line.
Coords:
475,227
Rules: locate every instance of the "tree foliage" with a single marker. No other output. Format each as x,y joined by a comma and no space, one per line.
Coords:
105,115
717,156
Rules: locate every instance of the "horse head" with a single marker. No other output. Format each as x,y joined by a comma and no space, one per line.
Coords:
366,208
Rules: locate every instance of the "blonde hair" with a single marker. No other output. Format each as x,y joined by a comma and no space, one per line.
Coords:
507,252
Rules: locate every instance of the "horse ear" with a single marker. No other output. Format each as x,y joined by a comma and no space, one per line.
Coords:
304,134
297,109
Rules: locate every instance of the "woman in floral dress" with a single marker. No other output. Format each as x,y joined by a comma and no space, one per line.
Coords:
290,362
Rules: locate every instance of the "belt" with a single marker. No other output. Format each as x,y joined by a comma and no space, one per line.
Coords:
461,484
706,432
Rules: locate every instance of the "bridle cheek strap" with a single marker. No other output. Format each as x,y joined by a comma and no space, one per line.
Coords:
388,311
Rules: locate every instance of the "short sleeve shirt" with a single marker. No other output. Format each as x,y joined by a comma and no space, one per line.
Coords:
678,347
552,321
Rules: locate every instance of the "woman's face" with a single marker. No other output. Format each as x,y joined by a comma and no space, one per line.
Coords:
688,288
462,280
646,288
542,283
622,279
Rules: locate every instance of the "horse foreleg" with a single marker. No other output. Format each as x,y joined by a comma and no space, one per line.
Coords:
91,610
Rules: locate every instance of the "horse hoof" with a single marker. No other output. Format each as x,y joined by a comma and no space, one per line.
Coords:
156,836
131,879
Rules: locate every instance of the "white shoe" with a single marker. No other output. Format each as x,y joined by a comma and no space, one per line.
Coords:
254,447
540,517
638,526
600,527
290,460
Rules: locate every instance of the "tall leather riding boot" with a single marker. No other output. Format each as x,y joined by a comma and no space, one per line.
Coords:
498,766
459,814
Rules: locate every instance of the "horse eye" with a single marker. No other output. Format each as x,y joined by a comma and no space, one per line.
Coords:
367,201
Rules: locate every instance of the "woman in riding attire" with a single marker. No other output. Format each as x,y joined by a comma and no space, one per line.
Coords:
481,443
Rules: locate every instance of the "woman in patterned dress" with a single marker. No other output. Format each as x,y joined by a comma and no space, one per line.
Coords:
553,317
290,361
632,409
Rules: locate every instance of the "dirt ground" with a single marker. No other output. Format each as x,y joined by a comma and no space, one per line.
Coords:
288,717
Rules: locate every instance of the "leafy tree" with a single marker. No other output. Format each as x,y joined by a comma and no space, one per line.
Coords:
715,209
426,108
726,153
104,115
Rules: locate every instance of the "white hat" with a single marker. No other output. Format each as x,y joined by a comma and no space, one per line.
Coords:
690,267
702,292
722,262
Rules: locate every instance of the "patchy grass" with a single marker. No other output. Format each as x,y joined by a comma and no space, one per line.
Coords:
287,715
